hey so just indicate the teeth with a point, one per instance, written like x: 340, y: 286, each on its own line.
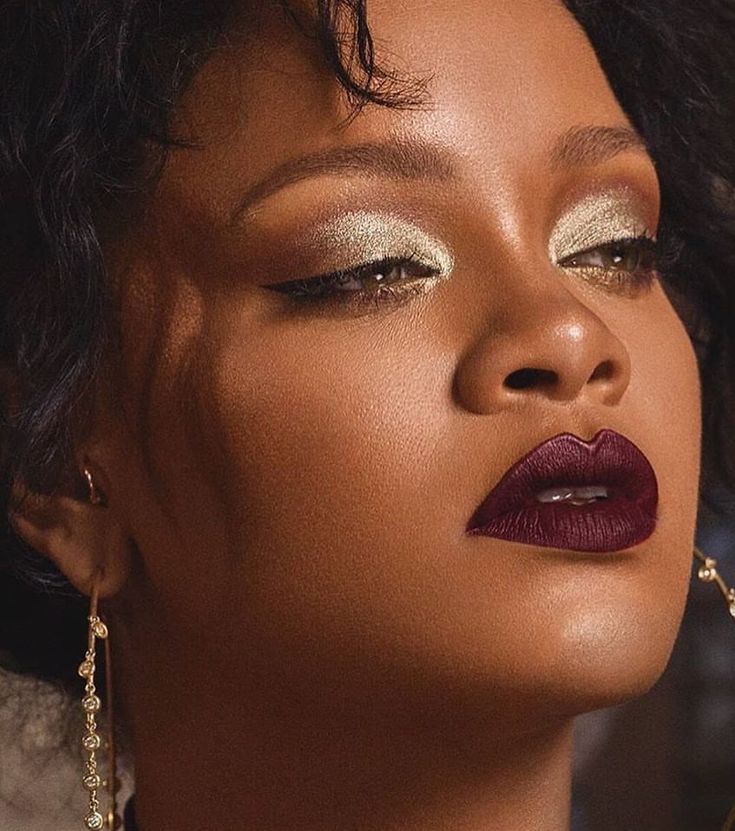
x: 581, y: 495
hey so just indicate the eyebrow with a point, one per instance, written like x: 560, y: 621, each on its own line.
x: 418, y: 160
x: 589, y: 145
x: 398, y: 159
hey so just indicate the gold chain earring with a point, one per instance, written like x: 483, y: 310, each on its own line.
x: 708, y: 573
x: 95, y: 820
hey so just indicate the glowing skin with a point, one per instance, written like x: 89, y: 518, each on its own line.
x: 307, y: 638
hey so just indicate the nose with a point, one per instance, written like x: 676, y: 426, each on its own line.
x: 550, y: 348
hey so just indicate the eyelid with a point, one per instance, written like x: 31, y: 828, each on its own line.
x: 596, y: 220
x: 369, y: 236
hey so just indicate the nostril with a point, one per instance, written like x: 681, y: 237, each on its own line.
x: 605, y: 369
x: 529, y: 377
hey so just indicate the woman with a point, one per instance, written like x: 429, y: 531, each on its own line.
x: 373, y: 420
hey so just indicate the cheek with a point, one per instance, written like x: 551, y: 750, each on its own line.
x: 333, y: 467
x: 665, y: 392
x: 327, y: 433
x: 346, y: 499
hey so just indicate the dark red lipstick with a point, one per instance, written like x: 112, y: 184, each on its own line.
x: 549, y: 497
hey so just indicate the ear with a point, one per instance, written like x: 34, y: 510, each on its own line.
x: 85, y: 540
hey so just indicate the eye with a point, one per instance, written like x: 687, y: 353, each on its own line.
x: 632, y: 260
x: 389, y: 280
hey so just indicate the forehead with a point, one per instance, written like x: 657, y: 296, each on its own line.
x: 505, y: 80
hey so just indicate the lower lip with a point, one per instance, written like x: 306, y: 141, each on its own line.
x: 606, y: 525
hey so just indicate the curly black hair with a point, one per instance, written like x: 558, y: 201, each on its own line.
x: 87, y: 90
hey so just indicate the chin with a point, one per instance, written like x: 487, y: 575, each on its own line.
x: 609, y: 662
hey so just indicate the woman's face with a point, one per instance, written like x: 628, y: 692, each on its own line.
x: 297, y: 474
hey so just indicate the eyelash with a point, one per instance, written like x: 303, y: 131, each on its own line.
x: 645, y: 248
x: 321, y: 291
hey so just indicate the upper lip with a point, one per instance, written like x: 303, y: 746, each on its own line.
x: 608, y: 459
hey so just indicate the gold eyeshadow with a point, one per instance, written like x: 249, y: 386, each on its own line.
x: 595, y: 220
x: 358, y: 237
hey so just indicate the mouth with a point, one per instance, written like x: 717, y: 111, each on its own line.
x: 599, y: 495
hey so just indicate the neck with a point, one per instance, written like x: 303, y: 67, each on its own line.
x: 282, y: 766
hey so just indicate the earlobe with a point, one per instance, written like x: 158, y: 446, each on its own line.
x: 81, y: 536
